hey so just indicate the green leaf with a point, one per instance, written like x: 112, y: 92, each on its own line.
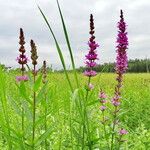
x: 22, y: 91
x: 43, y: 137
x: 37, y: 84
x: 41, y: 93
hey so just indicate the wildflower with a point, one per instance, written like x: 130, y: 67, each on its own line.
x: 102, y: 95
x: 122, y: 40
x: 22, y: 78
x: 123, y: 131
x: 22, y: 59
x: 116, y: 100
x: 102, y: 108
x: 92, y: 55
x: 90, y: 73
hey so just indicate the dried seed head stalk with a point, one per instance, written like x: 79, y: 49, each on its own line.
x: 34, y: 56
x: 44, y: 72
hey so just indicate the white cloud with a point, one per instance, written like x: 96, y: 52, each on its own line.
x: 25, y: 14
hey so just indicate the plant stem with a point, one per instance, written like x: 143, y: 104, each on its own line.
x: 86, y: 123
x: 119, y: 144
x: 45, y: 126
x: 113, y: 128
x: 34, y: 108
x: 105, y: 132
x: 22, y: 109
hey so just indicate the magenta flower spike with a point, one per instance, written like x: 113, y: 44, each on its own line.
x: 122, y: 41
x: 22, y: 59
x: 92, y: 54
x: 121, y: 59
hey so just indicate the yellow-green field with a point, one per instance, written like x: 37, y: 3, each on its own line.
x: 63, y: 114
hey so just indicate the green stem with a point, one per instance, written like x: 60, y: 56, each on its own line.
x: 45, y: 126
x: 34, y: 109
x: 22, y: 117
x: 113, y: 128
x: 22, y: 109
x: 119, y: 144
x: 86, y: 123
x: 105, y: 132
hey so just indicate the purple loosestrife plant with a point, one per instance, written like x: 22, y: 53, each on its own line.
x: 22, y: 59
x: 121, y: 67
x: 90, y: 62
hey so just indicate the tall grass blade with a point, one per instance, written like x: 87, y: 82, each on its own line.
x: 68, y: 44
x: 58, y: 49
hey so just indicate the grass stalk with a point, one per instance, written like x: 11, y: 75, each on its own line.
x: 58, y: 49
x: 68, y: 44
x: 45, y: 121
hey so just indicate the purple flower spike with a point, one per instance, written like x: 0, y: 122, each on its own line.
x: 123, y: 132
x: 122, y: 40
x: 92, y: 54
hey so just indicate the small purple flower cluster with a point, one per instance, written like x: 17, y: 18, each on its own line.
x: 115, y: 100
x: 92, y: 55
x: 123, y: 131
x: 122, y: 40
x: 22, y: 78
x: 22, y: 59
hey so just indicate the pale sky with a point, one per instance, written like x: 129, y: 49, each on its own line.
x: 25, y: 14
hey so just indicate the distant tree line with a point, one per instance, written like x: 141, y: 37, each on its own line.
x: 135, y: 66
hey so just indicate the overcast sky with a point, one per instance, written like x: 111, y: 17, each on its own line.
x: 24, y: 13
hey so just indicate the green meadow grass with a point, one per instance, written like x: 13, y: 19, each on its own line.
x: 63, y: 121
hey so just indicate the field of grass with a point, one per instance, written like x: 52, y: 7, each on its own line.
x: 63, y: 130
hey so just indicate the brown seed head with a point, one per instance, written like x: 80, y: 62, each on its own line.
x: 44, y: 71
x: 22, y: 41
x: 34, y: 56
